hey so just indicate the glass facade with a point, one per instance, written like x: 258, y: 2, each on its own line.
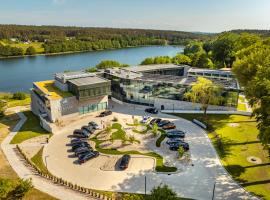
x: 144, y: 92
x: 93, y: 108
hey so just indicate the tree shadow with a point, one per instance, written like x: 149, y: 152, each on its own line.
x: 255, y: 183
x: 236, y: 171
x: 222, y: 145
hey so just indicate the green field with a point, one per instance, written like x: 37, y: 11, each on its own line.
x: 36, y: 45
x: 30, y: 129
x: 238, y: 135
x: 14, y: 102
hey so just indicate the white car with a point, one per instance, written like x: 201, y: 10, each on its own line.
x: 145, y: 119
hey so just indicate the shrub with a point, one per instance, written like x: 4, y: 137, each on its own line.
x: 19, y: 96
x: 181, y: 152
x: 22, y: 188
x: 6, y: 186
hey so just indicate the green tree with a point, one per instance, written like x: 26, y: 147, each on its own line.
x: 91, y: 69
x: 253, y: 72
x: 19, y: 96
x: 181, y: 59
x: 155, y: 129
x: 3, y: 107
x: 30, y: 51
x: 205, y: 92
x: 162, y: 192
x: 147, y: 61
x: 180, y: 151
x: 193, y: 47
x: 224, y: 49
x: 109, y: 64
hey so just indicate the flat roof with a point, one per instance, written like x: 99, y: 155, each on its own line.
x: 142, y: 68
x: 65, y: 76
x: 216, y: 71
x: 87, y: 80
x: 123, y: 73
x: 51, y: 92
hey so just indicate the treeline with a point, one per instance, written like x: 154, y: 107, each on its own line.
x: 41, y: 33
x: 57, y: 46
x: 57, y: 39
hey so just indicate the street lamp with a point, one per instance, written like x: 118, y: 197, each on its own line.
x: 213, y: 194
x: 144, y: 185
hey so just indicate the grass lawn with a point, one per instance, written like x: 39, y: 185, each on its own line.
x: 30, y: 129
x: 38, y: 161
x: 7, y: 123
x: 14, y: 102
x: 239, y: 139
x: 119, y: 134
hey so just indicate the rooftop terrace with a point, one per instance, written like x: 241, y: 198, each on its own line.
x: 50, y: 91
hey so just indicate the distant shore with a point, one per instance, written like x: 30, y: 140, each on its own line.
x: 74, y: 52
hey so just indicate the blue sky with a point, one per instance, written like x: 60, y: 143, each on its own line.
x: 186, y: 15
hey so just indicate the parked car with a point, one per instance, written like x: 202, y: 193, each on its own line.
x: 145, y: 119
x: 175, y: 131
x: 88, y: 156
x: 79, y: 145
x: 80, y: 133
x: 151, y: 110
x: 174, y: 140
x: 89, y: 129
x: 76, y: 140
x: 124, y: 162
x: 163, y: 122
x: 94, y: 125
x: 169, y: 126
x: 105, y: 113
x: 175, y: 146
x: 155, y: 120
x: 175, y: 134
x: 83, y: 152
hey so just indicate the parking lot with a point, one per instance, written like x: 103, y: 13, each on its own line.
x: 101, y: 173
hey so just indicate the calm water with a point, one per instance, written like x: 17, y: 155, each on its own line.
x: 17, y: 74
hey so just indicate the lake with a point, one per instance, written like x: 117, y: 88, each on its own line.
x: 17, y: 74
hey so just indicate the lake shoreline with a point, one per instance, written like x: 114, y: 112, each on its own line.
x: 75, y: 52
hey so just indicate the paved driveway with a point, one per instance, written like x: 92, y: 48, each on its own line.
x: 195, y: 181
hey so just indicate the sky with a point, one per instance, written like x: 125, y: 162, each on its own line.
x: 181, y: 15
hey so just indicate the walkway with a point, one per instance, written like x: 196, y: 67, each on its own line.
x: 219, y: 112
x: 24, y: 172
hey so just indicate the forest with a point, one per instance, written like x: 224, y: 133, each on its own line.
x: 57, y: 39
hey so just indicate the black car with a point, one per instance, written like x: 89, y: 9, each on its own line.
x: 89, y: 129
x: 88, y: 156
x: 81, y: 150
x: 76, y: 140
x: 80, y: 133
x: 175, y: 134
x: 175, y: 146
x: 124, y: 162
x: 174, y: 140
x: 155, y: 120
x: 163, y: 122
x: 105, y: 113
x: 80, y: 155
x: 79, y: 145
x: 94, y: 125
x: 151, y: 110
